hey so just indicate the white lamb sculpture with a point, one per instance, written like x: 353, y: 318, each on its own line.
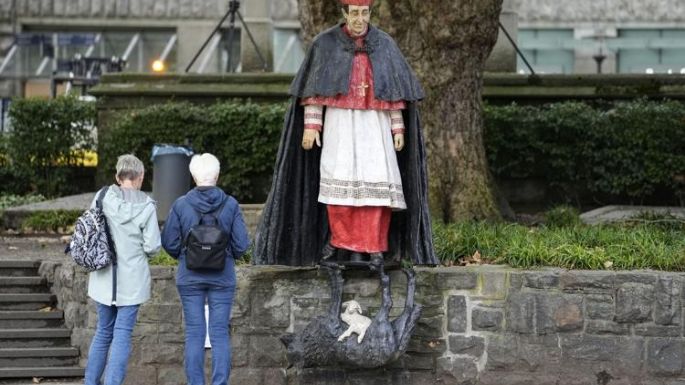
x: 352, y: 315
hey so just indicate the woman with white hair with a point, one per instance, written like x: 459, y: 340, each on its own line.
x: 132, y: 221
x: 213, y: 283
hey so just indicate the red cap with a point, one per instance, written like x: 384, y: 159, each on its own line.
x: 357, y: 2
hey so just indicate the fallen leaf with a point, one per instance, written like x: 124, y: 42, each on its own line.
x: 37, y: 380
x: 608, y: 264
x: 13, y: 248
x: 46, y: 309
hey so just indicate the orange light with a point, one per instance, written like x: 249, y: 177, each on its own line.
x: 158, y: 66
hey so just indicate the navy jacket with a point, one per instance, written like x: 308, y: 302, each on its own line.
x: 184, y: 214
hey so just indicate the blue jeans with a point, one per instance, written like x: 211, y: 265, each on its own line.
x: 114, y: 328
x: 220, y: 300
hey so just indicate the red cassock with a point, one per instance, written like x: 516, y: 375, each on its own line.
x: 358, y: 228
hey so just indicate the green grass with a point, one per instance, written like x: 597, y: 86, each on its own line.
x: 163, y: 259
x: 53, y: 220
x: 632, y: 245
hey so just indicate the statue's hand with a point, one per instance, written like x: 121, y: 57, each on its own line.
x: 399, y: 142
x: 310, y: 137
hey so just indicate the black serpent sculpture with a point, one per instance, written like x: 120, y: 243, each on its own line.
x: 317, y: 344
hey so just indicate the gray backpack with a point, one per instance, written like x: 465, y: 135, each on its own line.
x: 91, y: 245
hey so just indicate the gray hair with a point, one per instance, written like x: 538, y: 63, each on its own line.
x: 129, y: 167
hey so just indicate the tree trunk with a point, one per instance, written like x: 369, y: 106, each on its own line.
x: 446, y: 43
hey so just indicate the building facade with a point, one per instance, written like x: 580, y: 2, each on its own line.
x: 44, y: 39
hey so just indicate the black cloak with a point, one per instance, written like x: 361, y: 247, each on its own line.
x: 294, y: 225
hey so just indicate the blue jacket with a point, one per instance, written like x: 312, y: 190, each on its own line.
x: 184, y: 214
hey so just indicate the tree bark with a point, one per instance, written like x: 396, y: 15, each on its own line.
x: 446, y: 43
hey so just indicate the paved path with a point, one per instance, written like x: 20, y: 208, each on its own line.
x: 32, y: 248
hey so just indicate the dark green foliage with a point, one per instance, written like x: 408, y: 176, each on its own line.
x: 48, y: 140
x: 244, y: 136
x: 562, y: 216
x: 50, y: 220
x: 628, y: 150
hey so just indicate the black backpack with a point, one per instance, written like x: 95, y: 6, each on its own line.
x: 206, y: 243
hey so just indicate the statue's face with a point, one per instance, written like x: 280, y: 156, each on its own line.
x: 357, y: 18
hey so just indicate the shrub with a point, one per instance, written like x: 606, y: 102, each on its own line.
x: 51, y: 220
x: 562, y: 216
x: 47, y: 140
x: 244, y: 136
x: 626, y: 150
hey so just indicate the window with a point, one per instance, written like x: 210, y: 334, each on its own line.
x: 651, y: 50
x: 547, y: 50
x: 288, y: 51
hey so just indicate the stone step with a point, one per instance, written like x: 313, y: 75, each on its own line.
x: 23, y: 285
x: 28, y: 357
x: 41, y: 371
x: 19, y: 268
x: 35, y: 338
x: 31, y: 319
x: 26, y: 301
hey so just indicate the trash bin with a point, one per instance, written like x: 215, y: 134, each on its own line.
x: 171, y: 176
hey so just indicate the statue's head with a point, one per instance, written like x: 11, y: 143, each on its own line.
x: 357, y: 14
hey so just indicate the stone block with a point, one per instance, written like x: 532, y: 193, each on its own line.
x: 456, y: 279
x: 427, y: 345
x: 419, y: 362
x: 142, y: 375
x: 486, y: 319
x: 429, y: 327
x: 606, y: 327
x: 558, y: 313
x: 651, y: 330
x: 164, y: 291
x: 304, y: 310
x: 645, y: 278
x: 634, y: 303
x: 613, y: 352
x: 599, y: 306
x: 456, y: 370
x: 240, y: 347
x: 269, y: 310
x: 456, y: 314
x: 247, y: 376
x: 519, y: 312
x: 502, y: 351
x: 538, y: 353
x: 472, y: 345
x: 275, y: 376
x: 667, y: 305
x: 586, y: 281
x: 171, y: 333
x: 493, y: 285
x: 546, y: 279
x: 169, y: 354
x: 665, y: 356
x: 171, y: 375
x: 267, y: 351
x: 163, y: 273
x: 145, y: 333
x: 363, y: 287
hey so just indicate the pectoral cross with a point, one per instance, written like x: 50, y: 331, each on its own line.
x: 362, y: 89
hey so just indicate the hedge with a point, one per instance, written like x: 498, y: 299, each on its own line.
x: 620, y: 152
x: 627, y: 152
x: 244, y: 136
x: 46, y: 146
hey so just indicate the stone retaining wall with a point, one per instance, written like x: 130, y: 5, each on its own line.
x: 480, y: 325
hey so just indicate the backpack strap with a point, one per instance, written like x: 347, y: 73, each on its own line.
x: 98, y: 204
x: 101, y: 196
